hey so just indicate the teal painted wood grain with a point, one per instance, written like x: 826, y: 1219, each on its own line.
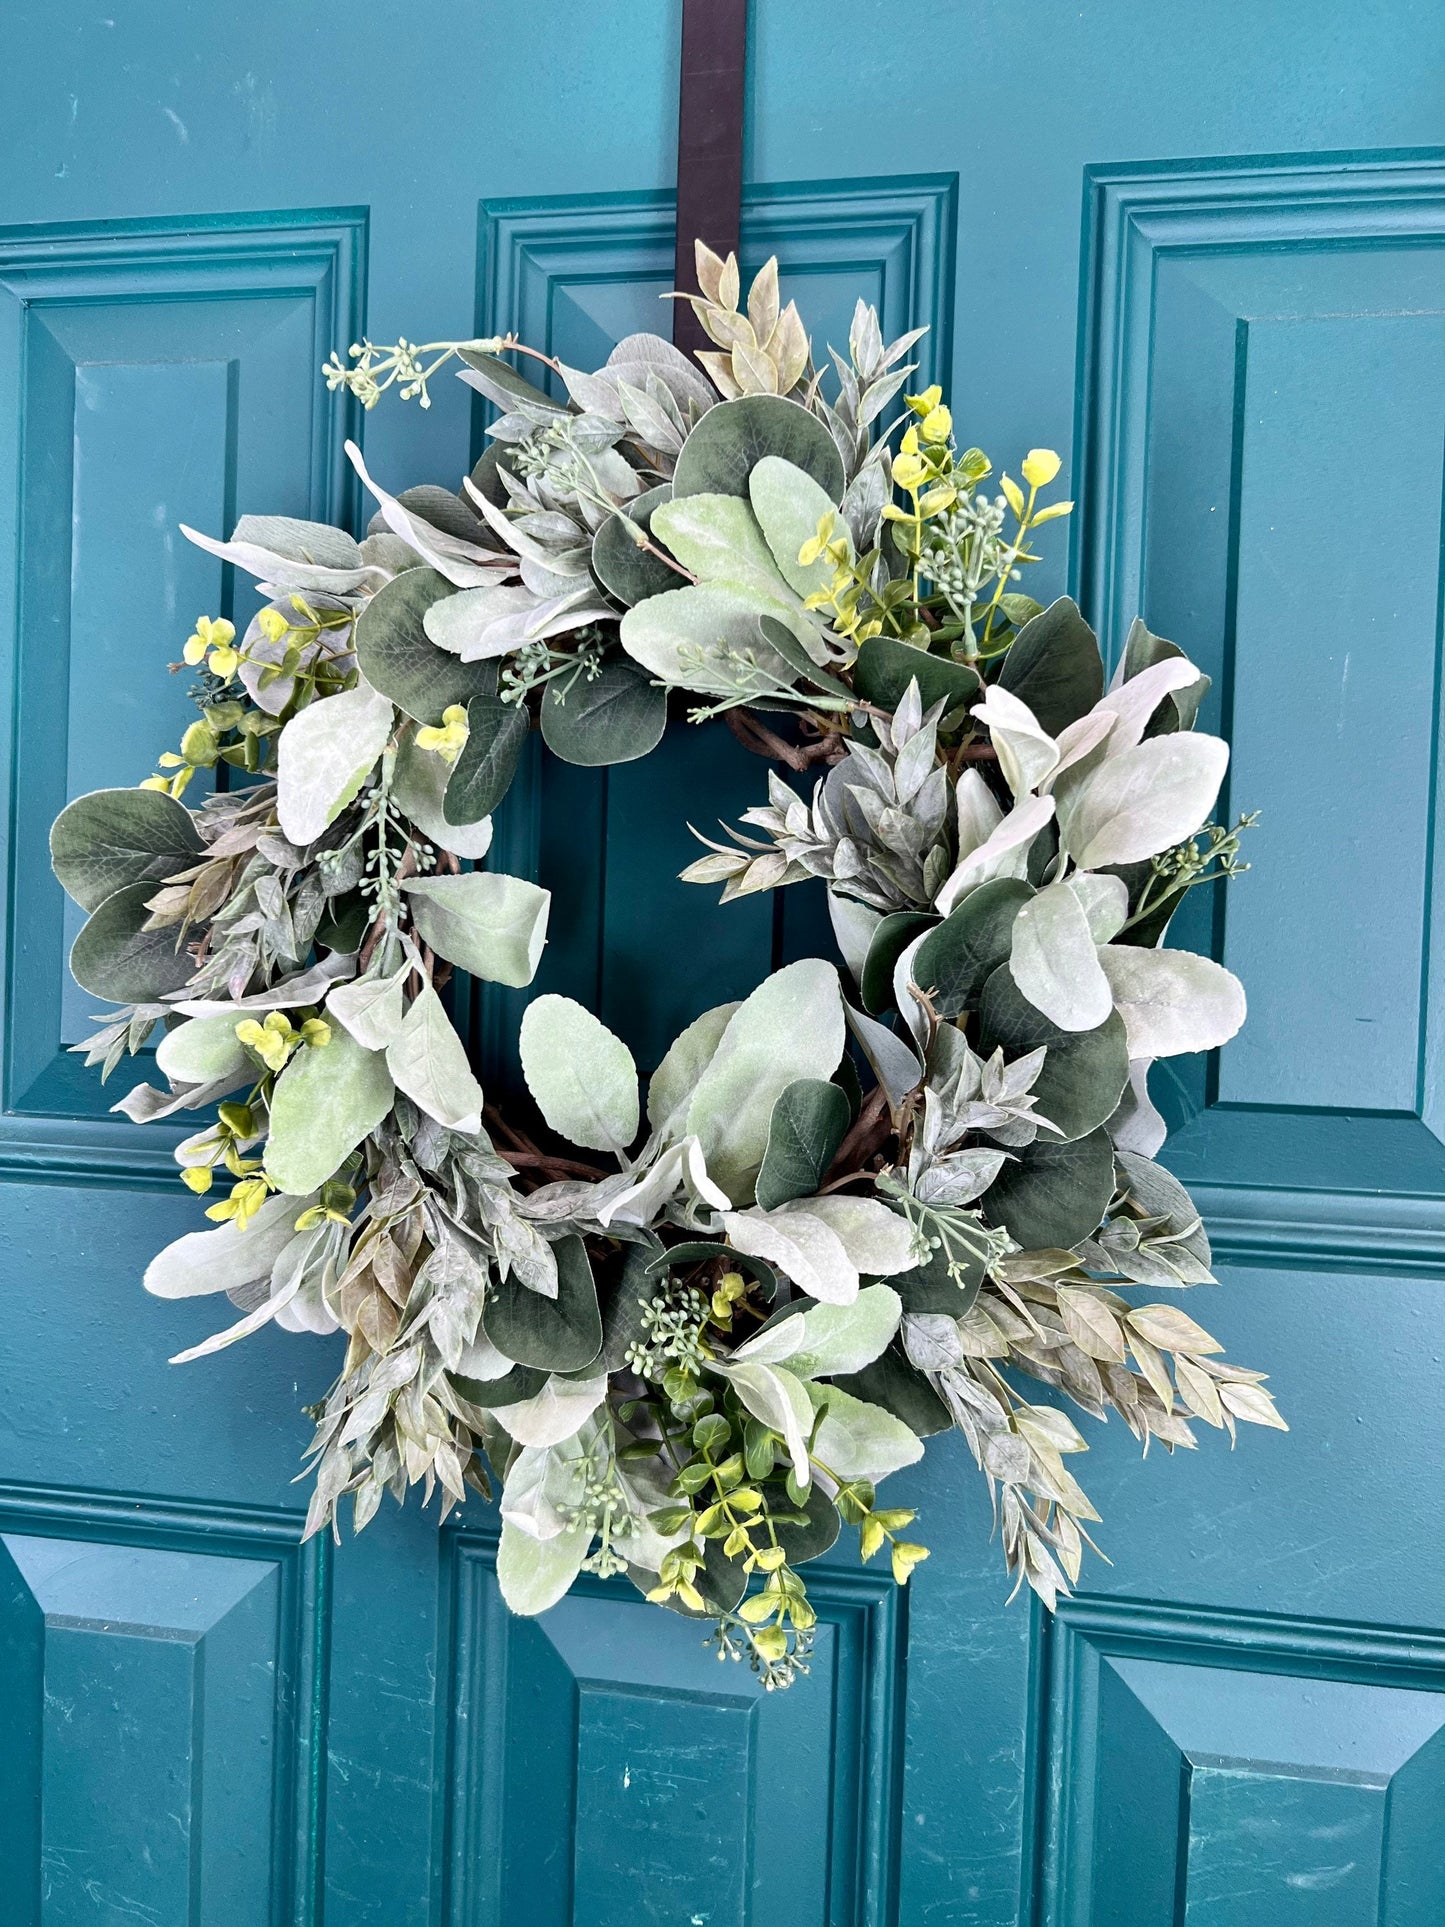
x: 1238, y: 1722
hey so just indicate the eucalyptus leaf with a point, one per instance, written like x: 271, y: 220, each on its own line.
x: 483, y: 772
x: 561, y: 1334
x: 955, y: 961
x: 615, y: 717
x: 115, y: 957
x: 625, y: 570
x: 728, y: 443
x: 489, y: 924
x: 322, y: 1106
x: 110, y: 839
x: 809, y: 1121
x: 885, y: 667
x: 512, y: 1388
x: 890, y: 1381
x: 1084, y: 1072
x: 1053, y: 1195
x: 1053, y: 664
x: 398, y: 658
x: 818, y: 1531
x: 583, y: 1076
x: 890, y: 939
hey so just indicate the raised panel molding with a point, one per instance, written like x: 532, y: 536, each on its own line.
x: 1262, y: 414
x: 572, y: 275
x: 151, y: 372
x: 1217, y: 1767
x: 162, y: 1700
x: 604, y: 1769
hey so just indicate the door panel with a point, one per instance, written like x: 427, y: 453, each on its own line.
x: 205, y: 1722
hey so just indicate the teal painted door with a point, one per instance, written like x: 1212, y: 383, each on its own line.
x: 1241, y: 1720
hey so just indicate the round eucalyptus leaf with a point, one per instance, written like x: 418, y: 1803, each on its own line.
x: 560, y: 1334
x: 398, y: 658
x: 721, y: 452
x: 523, y: 1381
x: 891, y: 938
x: 624, y: 570
x: 817, y: 1533
x: 447, y: 512
x: 885, y: 667
x: 1054, y: 1194
x: 615, y: 719
x: 109, y: 839
x: 957, y: 960
x: 344, y: 922
x: 1084, y: 1071
x: 1054, y: 665
x: 890, y: 1381
x: 682, y: 1257
x: 482, y: 774
x: 485, y: 479
x: 622, y: 1324
x: 810, y: 1120
x: 932, y: 1287
x: 116, y: 958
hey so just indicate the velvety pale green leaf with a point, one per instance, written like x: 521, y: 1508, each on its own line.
x: 115, y: 957
x: 556, y: 1412
x: 1054, y: 960
x: 1054, y: 1194
x: 225, y: 1259
x: 885, y: 667
x: 1170, y: 1000
x: 828, y: 1339
x: 300, y: 541
x: 371, y: 1008
x: 583, y: 1076
x: 200, y: 1051
x: 706, y: 638
x: 427, y: 1060
x: 956, y: 960
x: 561, y: 1334
x: 628, y: 572
x: 891, y: 937
x: 789, y: 505
x: 1105, y: 900
x: 859, y: 1441
x: 790, y: 1027
x: 1054, y: 665
x: 418, y: 787
x: 1147, y: 799
x: 399, y: 658
x: 325, y: 754
x: 875, y: 1238
x: 533, y: 1574
x: 483, y: 772
x: 890, y: 1381
x: 1084, y: 1072
x: 728, y: 443
x: 616, y: 718
x: 809, y: 1121
x: 773, y: 1395
x: 323, y: 1104
x: 802, y: 1247
x: 489, y: 924
x: 718, y: 539
x: 688, y: 1056
x: 109, y: 839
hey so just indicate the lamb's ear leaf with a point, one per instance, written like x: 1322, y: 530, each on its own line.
x: 115, y: 957
x: 561, y: 1334
x: 957, y: 959
x: 616, y: 718
x: 535, y: 1573
x: 1084, y: 1071
x: 727, y: 444
x: 628, y: 572
x: 885, y: 667
x: 582, y: 1075
x: 496, y: 736
x: 890, y: 939
x: 102, y: 842
x: 809, y: 1122
x: 485, y: 922
x: 324, y: 1103
x: 890, y: 1381
x: 1053, y: 664
x: 398, y: 657
x: 1053, y: 1195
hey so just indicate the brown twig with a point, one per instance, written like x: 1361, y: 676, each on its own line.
x: 549, y: 1166
x: 762, y: 741
x: 870, y: 1129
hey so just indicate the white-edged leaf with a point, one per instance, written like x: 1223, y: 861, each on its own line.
x: 1026, y: 751
x: 324, y: 755
x: 1171, y: 1000
x: 858, y: 1440
x: 1054, y: 960
x: 428, y: 1061
x: 534, y: 1574
x: 1147, y: 799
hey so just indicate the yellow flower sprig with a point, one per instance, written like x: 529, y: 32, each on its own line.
x: 450, y: 739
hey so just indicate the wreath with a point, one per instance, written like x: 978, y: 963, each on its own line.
x: 692, y: 1331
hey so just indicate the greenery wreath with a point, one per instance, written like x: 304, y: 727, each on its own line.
x: 860, y: 1209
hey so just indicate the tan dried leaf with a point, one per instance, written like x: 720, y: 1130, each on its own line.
x: 1171, y: 1329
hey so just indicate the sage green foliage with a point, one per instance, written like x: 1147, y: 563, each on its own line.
x: 681, y: 1363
